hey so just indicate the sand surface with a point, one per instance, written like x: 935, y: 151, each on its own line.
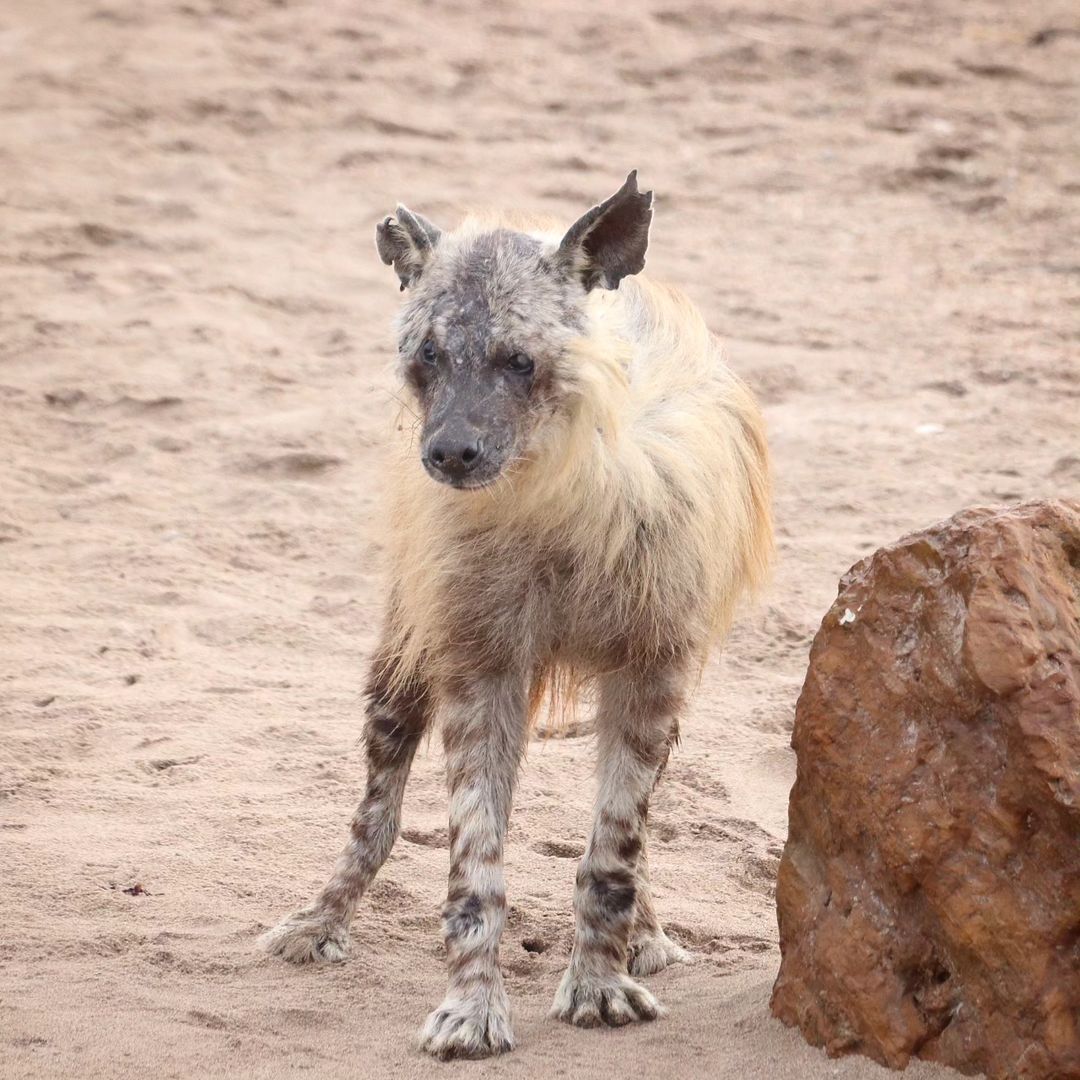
x: 878, y: 206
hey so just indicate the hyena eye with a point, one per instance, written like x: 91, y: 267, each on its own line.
x: 520, y: 364
x: 428, y: 352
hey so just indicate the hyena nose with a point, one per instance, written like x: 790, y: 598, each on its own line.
x: 455, y: 454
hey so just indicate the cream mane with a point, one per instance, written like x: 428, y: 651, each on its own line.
x: 657, y: 435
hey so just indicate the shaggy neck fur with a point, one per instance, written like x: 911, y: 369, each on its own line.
x: 650, y: 480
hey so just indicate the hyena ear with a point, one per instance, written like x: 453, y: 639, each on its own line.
x: 608, y: 243
x: 407, y: 243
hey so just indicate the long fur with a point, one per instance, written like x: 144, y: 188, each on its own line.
x: 653, y: 481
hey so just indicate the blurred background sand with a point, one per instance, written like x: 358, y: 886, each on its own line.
x: 877, y: 206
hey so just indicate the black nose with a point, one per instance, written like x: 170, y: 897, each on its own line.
x: 455, y: 454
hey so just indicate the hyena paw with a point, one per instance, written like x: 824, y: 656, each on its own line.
x: 592, y: 1000
x: 470, y: 1027
x: 651, y: 953
x: 308, y: 937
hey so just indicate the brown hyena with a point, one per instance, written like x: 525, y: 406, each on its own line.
x: 589, y: 498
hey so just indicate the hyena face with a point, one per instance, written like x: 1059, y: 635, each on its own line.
x: 484, y: 331
x: 480, y: 338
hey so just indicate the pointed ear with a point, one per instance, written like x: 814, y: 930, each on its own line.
x: 608, y: 243
x: 406, y: 243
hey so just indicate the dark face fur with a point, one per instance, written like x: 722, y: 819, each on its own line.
x: 479, y: 337
x: 488, y: 317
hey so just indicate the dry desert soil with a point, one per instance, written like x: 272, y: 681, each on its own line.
x: 876, y: 206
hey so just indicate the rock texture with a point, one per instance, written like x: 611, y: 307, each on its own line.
x: 929, y: 892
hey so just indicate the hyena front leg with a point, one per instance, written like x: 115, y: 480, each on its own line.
x: 484, y: 737
x: 397, y: 716
x: 635, y: 727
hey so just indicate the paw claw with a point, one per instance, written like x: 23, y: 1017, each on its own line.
x: 615, y: 1000
x: 469, y: 1028
x: 307, y: 937
x: 648, y: 955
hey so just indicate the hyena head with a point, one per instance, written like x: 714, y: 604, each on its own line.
x: 489, y: 315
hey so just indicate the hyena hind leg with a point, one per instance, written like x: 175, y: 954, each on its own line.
x: 650, y: 950
x: 397, y: 717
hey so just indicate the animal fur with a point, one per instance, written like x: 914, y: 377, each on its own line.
x: 624, y: 511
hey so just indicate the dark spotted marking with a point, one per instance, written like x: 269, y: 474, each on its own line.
x: 614, y: 893
x: 464, y: 918
x: 629, y: 848
x: 397, y: 716
x: 476, y: 850
x: 390, y: 741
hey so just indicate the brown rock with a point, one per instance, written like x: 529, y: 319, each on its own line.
x: 929, y: 892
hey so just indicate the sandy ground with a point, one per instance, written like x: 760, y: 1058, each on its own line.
x: 878, y: 206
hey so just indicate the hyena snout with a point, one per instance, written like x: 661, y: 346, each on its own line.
x: 456, y: 454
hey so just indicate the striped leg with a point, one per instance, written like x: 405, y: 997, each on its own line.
x: 635, y: 727
x: 484, y: 737
x: 396, y: 719
x: 650, y: 949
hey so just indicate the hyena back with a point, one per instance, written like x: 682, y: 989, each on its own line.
x: 600, y: 501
